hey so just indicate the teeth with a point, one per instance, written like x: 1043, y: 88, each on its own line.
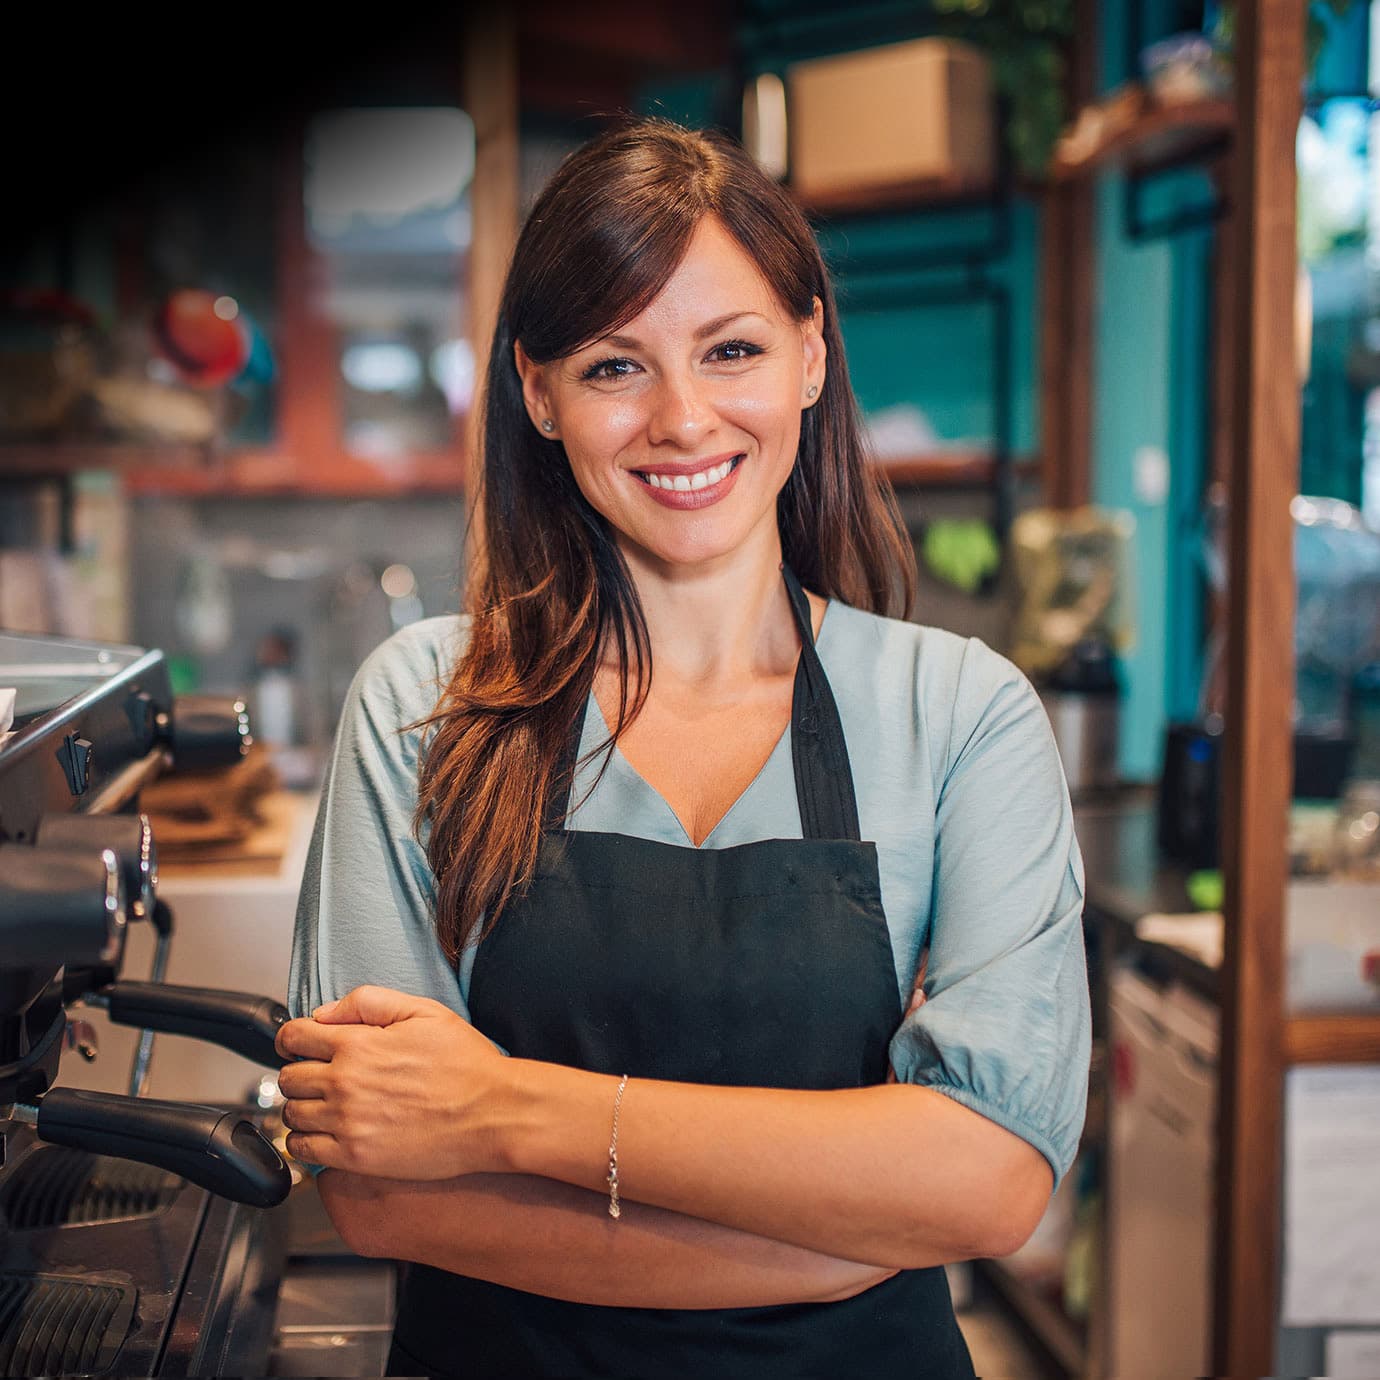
x: 685, y: 482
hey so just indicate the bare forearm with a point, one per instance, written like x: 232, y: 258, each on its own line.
x: 557, y: 1239
x: 892, y: 1176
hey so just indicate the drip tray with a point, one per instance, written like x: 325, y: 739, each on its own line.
x: 335, y: 1309
x: 113, y: 1268
x: 58, y: 1187
x: 63, y: 1324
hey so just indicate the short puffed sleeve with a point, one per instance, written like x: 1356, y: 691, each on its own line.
x: 1005, y: 1027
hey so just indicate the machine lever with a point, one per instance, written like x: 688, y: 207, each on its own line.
x: 238, y: 1021
x: 213, y: 1147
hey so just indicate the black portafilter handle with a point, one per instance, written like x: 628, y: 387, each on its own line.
x: 213, y: 1147
x: 208, y: 731
x: 238, y: 1021
x: 60, y: 906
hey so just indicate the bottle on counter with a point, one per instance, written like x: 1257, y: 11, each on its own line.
x: 275, y: 716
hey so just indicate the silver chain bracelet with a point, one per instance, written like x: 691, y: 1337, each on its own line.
x: 614, y: 1208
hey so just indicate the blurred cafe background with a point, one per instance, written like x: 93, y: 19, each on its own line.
x: 1111, y: 299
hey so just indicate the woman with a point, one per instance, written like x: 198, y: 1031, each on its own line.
x: 633, y: 1080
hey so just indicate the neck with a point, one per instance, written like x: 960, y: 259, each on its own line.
x: 721, y: 624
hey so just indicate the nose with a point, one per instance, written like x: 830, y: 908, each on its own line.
x: 681, y: 412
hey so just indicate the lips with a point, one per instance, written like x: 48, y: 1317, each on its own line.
x: 688, y: 467
x: 694, y: 485
x: 685, y: 481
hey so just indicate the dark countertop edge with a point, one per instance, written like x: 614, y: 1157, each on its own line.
x: 1126, y: 879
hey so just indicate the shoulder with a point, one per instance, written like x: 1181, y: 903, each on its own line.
x: 956, y: 697
x: 401, y: 680
x: 426, y: 647
x: 944, y: 671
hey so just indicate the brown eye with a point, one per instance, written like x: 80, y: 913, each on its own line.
x: 609, y: 369
x: 734, y: 351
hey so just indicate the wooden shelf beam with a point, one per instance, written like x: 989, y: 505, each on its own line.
x: 952, y: 470
x: 1158, y: 138
x: 52, y: 459
x: 196, y: 472
x: 1332, y: 1039
x: 893, y: 196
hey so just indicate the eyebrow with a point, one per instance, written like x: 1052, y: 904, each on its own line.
x: 628, y: 342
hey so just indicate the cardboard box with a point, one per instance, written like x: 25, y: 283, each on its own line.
x: 885, y: 122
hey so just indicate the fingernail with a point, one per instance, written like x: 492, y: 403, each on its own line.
x: 326, y: 1008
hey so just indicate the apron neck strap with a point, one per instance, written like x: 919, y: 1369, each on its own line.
x: 823, y: 774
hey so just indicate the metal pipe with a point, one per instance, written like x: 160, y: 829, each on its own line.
x: 128, y: 782
x: 143, y: 1056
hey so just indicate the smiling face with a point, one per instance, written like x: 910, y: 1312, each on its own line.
x: 682, y: 426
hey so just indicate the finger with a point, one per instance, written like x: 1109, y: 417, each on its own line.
x: 373, y: 1006
x: 316, y: 1148
x: 305, y: 1078
x: 308, y: 1114
x: 305, y: 1038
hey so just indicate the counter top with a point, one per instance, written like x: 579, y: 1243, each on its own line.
x: 275, y: 848
x: 1126, y: 875
x: 1330, y: 1015
x: 1128, y: 879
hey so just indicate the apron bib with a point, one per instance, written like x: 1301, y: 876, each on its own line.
x: 764, y: 965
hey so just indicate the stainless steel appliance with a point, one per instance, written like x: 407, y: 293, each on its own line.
x: 1159, y: 1210
x: 1082, y: 697
x: 136, y: 1237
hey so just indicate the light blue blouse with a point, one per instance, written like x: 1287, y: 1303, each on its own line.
x: 958, y: 782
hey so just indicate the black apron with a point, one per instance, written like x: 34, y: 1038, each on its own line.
x: 763, y: 965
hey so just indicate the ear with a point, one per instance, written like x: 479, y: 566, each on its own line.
x: 534, y: 392
x: 815, y: 355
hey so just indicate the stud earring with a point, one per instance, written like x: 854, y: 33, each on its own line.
x: 811, y: 391
x: 548, y: 426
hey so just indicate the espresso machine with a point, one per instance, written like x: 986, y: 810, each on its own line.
x: 137, y: 1237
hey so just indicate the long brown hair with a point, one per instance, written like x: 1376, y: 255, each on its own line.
x: 550, y: 587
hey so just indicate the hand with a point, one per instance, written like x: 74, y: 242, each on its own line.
x: 392, y: 1085
x: 917, y: 1000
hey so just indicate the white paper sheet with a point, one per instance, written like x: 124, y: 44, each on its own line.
x: 1352, y: 1355
x: 1331, y: 1195
x: 1198, y: 933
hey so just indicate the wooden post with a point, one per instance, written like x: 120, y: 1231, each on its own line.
x: 1222, y: 328
x: 1068, y: 252
x: 491, y: 100
x: 1054, y: 327
x: 1257, y: 761
x: 309, y: 412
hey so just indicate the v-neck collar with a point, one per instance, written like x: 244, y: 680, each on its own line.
x: 630, y: 773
